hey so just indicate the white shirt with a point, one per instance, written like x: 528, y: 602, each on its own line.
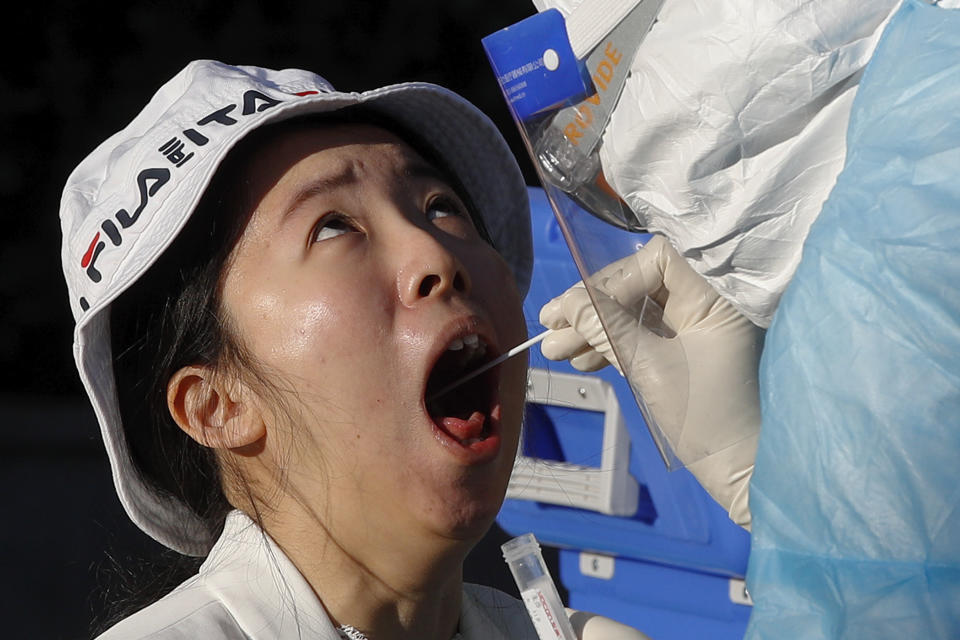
x: 248, y: 589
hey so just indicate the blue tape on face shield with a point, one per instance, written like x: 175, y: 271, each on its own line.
x: 562, y: 104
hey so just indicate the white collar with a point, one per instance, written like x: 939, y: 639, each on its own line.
x: 270, y: 599
x: 263, y: 590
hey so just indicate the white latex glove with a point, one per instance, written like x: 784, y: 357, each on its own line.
x: 589, y: 626
x: 700, y: 385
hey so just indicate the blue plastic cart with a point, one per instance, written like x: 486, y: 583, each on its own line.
x: 638, y: 543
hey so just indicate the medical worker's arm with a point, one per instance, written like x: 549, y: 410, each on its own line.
x: 700, y: 385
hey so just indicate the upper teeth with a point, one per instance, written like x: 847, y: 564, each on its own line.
x: 472, y: 340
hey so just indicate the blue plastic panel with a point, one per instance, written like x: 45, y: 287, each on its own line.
x: 664, y: 602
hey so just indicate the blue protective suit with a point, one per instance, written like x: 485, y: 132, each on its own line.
x: 856, y: 491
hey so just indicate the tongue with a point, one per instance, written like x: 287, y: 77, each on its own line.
x: 464, y: 430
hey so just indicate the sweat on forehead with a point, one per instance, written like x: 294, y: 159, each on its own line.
x: 349, y: 126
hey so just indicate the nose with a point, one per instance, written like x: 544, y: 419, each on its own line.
x: 428, y: 268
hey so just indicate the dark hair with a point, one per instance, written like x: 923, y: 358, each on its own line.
x: 171, y: 318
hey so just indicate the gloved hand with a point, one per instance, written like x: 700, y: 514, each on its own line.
x: 700, y: 385
x: 589, y: 626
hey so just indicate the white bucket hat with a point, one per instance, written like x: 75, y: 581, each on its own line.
x: 124, y: 204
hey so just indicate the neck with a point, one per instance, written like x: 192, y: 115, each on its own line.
x: 382, y: 582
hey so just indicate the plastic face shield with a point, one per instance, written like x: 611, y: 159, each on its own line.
x: 561, y: 105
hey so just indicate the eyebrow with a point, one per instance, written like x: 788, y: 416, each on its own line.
x: 415, y: 168
x: 422, y: 169
x: 320, y: 186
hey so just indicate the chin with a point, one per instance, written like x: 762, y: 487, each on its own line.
x: 470, y: 525
x: 465, y: 512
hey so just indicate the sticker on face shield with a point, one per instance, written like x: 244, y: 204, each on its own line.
x: 534, y: 64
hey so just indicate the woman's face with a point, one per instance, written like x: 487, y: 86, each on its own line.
x: 360, y: 285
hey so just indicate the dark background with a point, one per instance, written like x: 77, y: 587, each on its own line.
x: 73, y: 73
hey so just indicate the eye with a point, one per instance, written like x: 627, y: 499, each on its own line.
x: 445, y: 206
x: 331, y: 226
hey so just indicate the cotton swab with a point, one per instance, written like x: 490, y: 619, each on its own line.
x: 520, y: 348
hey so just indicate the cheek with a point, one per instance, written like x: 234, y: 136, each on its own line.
x: 285, y: 332
x: 299, y: 326
x: 491, y: 273
x: 506, y: 304
x: 278, y: 327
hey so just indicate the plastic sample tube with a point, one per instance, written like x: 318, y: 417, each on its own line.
x: 537, y: 590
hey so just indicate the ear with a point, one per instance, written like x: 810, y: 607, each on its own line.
x: 213, y: 413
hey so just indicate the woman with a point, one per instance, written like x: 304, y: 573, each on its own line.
x: 269, y: 279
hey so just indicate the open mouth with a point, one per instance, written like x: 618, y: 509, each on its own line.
x: 463, y: 412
